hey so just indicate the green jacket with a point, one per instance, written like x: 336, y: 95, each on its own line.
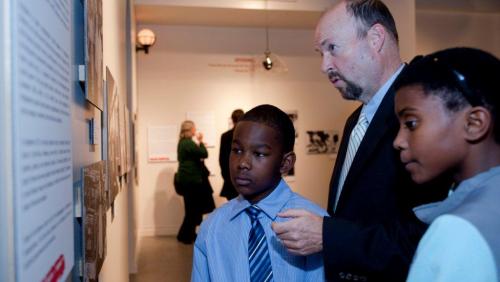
x: 190, y: 155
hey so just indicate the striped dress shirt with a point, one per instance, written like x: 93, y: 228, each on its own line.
x: 221, y: 248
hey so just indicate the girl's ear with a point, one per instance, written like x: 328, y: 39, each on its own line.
x: 478, y: 124
x: 287, y: 162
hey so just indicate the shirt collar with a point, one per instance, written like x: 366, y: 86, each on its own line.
x: 270, y: 205
x: 371, y: 107
x: 428, y: 212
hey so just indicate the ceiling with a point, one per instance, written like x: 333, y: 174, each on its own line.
x: 229, y: 17
x: 279, y: 13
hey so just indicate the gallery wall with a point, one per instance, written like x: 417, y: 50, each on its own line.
x: 116, y: 263
x: 45, y: 108
x: 196, y: 69
x: 176, y: 78
x: 205, y: 69
x: 443, y: 29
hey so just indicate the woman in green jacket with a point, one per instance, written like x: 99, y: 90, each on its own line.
x: 192, y: 177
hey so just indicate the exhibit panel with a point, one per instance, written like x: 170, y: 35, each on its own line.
x: 41, y: 139
x: 7, y: 270
x: 53, y: 177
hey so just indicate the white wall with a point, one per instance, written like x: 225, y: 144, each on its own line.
x: 403, y: 12
x: 132, y: 103
x: 115, y: 267
x: 438, y: 30
x: 178, y: 76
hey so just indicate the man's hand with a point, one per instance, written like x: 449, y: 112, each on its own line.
x: 302, y: 234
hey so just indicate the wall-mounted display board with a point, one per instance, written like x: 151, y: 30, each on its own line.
x: 162, y: 143
x: 93, y: 53
x: 113, y: 136
x: 205, y: 123
x: 94, y: 219
x: 41, y: 93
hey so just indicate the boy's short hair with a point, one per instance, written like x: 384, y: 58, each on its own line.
x: 275, y: 118
x: 460, y: 77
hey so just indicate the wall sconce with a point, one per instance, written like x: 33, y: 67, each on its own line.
x: 145, y: 39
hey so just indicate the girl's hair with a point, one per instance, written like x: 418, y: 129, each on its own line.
x: 460, y: 77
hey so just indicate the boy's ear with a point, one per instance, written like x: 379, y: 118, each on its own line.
x: 477, y: 124
x: 287, y: 162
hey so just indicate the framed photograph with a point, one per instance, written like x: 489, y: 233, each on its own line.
x: 93, y: 53
x: 322, y: 142
x: 94, y: 219
x: 113, y: 152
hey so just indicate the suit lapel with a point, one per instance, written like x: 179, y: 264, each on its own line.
x: 378, y: 128
x: 349, y: 126
x: 382, y: 121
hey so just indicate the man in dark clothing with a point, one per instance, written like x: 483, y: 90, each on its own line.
x: 372, y: 232
x: 228, y: 189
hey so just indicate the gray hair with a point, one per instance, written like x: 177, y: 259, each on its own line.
x: 369, y: 13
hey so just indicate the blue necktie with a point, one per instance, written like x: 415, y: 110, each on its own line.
x: 258, y: 255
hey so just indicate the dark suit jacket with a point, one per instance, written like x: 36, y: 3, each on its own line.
x: 228, y: 189
x: 373, y: 233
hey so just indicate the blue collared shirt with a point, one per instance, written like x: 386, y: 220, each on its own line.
x: 221, y: 248
x: 371, y: 107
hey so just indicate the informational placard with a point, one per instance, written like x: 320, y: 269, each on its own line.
x: 162, y: 143
x: 42, y: 156
x: 205, y: 123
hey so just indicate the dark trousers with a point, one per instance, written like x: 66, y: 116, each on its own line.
x: 192, y: 218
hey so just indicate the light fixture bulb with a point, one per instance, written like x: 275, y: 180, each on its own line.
x: 146, y: 37
x: 267, y: 63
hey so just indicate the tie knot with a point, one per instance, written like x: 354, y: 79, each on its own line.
x: 253, y: 212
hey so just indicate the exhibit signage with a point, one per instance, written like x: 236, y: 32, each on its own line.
x: 42, y: 145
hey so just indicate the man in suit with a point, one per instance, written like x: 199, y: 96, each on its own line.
x: 226, y: 139
x: 371, y: 233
